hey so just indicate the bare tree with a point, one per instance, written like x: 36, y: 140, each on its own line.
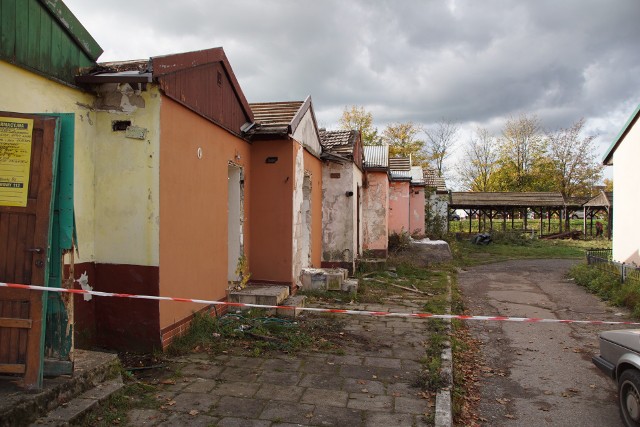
x: 440, y: 140
x: 479, y: 161
x: 573, y: 158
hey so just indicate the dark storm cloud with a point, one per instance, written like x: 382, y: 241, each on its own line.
x: 470, y: 61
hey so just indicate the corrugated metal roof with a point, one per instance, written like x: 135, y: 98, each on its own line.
x: 417, y: 175
x: 432, y: 180
x: 400, y: 163
x: 338, y: 141
x: 376, y: 156
x: 505, y: 199
x: 274, y: 117
x: 397, y: 175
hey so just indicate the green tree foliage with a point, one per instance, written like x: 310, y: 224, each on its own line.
x: 403, y: 141
x: 521, y: 157
x: 524, y: 158
x: 608, y: 184
x: 356, y: 117
x: 574, y: 167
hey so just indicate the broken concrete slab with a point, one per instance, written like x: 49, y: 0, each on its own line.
x: 325, y: 279
x: 263, y: 295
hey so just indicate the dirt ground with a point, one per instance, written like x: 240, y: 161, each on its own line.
x: 539, y: 374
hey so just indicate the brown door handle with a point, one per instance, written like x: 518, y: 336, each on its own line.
x: 36, y: 250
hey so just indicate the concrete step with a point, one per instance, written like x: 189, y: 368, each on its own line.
x: 74, y: 411
x: 263, y: 295
x: 91, y: 368
x: 297, y: 301
x: 325, y: 279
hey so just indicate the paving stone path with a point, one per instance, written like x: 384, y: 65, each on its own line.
x: 366, y: 384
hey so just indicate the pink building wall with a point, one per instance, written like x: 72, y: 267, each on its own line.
x: 375, y: 214
x: 416, y: 206
x: 399, y: 207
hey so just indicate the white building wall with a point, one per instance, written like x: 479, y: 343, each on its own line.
x: 626, y: 198
x: 306, y: 134
x: 338, y: 214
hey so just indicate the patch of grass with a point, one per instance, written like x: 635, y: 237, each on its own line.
x: 604, y: 281
x: 467, y: 254
x: 253, y: 334
x: 430, y: 377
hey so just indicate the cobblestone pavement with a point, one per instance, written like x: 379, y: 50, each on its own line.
x: 367, y: 384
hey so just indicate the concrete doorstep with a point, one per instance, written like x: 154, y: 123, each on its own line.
x: 94, y: 373
x: 75, y: 410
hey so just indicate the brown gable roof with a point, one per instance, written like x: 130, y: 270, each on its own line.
x: 432, y: 180
x: 202, y: 81
x: 275, y: 118
x: 338, y: 141
x: 400, y: 164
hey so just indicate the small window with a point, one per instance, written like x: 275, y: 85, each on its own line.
x: 120, y: 125
x: 219, y: 78
x: 335, y: 175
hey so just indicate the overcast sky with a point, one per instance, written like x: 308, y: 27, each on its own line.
x: 473, y: 62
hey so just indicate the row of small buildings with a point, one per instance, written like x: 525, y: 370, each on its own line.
x: 158, y: 177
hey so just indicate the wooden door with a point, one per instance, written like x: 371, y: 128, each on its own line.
x: 24, y: 239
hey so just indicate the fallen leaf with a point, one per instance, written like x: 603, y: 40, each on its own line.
x: 194, y: 412
x: 511, y: 417
x: 362, y: 382
x: 309, y: 415
x: 171, y: 402
x: 170, y: 382
x: 502, y: 401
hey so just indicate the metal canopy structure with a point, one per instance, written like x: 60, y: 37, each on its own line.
x: 503, y: 205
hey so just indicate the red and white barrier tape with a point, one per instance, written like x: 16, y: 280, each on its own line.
x: 319, y: 310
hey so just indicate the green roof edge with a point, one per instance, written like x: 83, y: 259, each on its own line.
x: 75, y: 29
x: 608, y: 156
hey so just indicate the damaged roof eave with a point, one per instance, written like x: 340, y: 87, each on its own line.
x: 115, y: 78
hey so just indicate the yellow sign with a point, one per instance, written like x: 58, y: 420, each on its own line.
x: 15, y: 160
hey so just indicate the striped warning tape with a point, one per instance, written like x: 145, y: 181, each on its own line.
x: 317, y: 309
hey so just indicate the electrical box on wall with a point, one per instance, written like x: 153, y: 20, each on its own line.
x: 136, y: 132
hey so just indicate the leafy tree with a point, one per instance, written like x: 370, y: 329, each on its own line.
x: 357, y: 118
x: 575, y: 169
x: 608, y: 184
x: 440, y: 140
x: 479, y: 161
x: 522, y: 162
x: 403, y: 141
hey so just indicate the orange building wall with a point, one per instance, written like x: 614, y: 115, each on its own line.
x: 314, y: 165
x: 271, y: 207
x: 193, y: 208
x: 398, y: 207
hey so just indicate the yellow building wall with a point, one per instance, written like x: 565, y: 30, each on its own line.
x: 127, y: 181
x: 22, y: 91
